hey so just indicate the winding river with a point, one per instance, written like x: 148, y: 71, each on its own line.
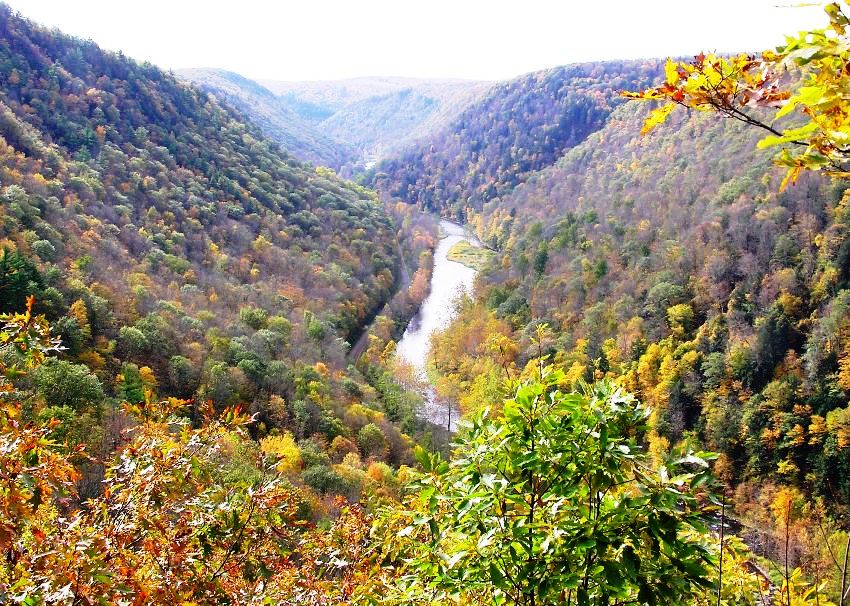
x: 448, y: 280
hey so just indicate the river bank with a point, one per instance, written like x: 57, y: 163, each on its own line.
x: 449, y: 279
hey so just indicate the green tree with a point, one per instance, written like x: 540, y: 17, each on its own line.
x: 62, y: 383
x: 316, y: 330
x: 541, y: 257
x: 323, y: 479
x: 254, y: 317
x: 44, y: 249
x: 131, y: 388
x: 554, y: 502
x: 372, y: 441
x: 182, y: 376
x: 133, y: 341
x: 19, y: 278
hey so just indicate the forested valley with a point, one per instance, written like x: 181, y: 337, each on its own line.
x: 206, y: 282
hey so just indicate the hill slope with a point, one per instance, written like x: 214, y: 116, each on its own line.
x: 517, y: 128
x: 156, y: 229
x: 274, y: 116
x: 673, y: 262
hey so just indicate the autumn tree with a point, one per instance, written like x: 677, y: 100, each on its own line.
x: 174, y: 523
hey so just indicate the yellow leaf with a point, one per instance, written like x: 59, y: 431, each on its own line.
x: 790, y: 177
x: 658, y: 116
x: 671, y: 71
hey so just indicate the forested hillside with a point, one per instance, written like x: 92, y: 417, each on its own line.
x: 519, y: 127
x: 378, y: 116
x: 278, y: 121
x: 673, y: 262
x: 176, y: 249
x: 203, y: 395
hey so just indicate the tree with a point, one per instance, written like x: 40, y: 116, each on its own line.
x: 283, y: 447
x: 19, y: 278
x: 31, y: 472
x: 372, y: 441
x: 171, y: 526
x: 80, y: 314
x: 130, y: 385
x: 554, y: 502
x: 735, y: 87
x: 254, y: 317
x: 62, y: 383
x: 182, y: 376
x: 133, y: 341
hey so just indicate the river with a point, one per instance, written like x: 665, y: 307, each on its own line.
x: 448, y: 280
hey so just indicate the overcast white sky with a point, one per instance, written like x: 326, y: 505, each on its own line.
x: 482, y: 39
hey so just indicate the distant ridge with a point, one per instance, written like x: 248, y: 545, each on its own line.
x: 277, y: 119
x: 346, y: 124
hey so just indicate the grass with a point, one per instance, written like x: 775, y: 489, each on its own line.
x: 469, y: 255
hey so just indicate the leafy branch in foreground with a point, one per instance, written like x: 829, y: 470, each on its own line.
x: 554, y: 502
x: 806, y: 79
x: 171, y: 526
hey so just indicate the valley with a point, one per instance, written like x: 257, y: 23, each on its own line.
x: 348, y: 125
x: 579, y: 336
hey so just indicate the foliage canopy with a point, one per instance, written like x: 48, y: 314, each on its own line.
x: 554, y: 502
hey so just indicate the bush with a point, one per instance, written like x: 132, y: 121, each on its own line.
x: 60, y: 383
x: 601, y: 520
x: 324, y: 479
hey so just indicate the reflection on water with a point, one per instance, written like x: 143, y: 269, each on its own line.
x: 449, y: 279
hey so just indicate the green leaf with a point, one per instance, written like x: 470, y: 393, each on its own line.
x: 583, y: 599
x: 423, y: 458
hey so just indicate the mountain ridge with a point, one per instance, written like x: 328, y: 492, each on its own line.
x: 274, y: 117
x: 367, y: 118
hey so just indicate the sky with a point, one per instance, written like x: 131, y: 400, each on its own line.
x: 475, y: 39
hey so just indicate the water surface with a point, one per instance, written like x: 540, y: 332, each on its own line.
x: 437, y: 311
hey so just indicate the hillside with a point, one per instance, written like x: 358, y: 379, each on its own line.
x: 175, y: 248
x: 517, y: 128
x: 673, y: 262
x: 378, y: 116
x: 383, y: 124
x: 276, y: 119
